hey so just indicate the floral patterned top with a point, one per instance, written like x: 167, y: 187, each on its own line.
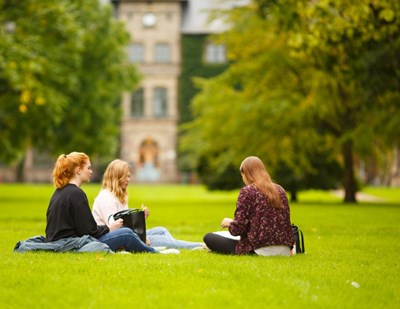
x: 259, y: 224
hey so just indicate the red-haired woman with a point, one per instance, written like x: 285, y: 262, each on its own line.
x: 69, y: 214
x: 262, y: 217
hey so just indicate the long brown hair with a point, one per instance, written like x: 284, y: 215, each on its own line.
x: 64, y: 168
x: 115, y: 173
x: 256, y: 174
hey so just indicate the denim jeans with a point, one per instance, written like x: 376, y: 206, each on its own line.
x: 125, y: 239
x: 161, y: 237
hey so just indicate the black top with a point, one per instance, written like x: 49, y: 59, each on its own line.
x: 69, y: 215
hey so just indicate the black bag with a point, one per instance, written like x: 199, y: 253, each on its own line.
x: 134, y: 219
x: 299, y: 239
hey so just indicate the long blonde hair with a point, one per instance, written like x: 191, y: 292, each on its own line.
x: 115, y: 173
x: 64, y: 168
x: 256, y: 174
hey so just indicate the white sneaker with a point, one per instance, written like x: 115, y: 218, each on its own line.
x: 170, y: 251
x: 160, y: 248
x: 123, y: 252
x: 200, y: 248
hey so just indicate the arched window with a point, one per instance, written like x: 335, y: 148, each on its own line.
x: 148, y: 167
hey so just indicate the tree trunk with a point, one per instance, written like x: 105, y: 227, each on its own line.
x: 293, y: 196
x: 20, y: 170
x: 350, y: 184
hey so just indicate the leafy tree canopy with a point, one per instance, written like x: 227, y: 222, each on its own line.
x: 62, y: 69
x: 308, y: 77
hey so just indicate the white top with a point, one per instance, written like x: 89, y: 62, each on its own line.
x: 273, y: 250
x: 106, y: 204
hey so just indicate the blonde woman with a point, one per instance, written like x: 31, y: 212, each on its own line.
x: 262, y: 217
x: 113, y: 197
x: 69, y: 215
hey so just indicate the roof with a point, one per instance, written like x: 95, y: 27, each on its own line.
x: 196, y: 13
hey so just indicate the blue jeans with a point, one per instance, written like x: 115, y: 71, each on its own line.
x: 125, y: 239
x: 161, y: 237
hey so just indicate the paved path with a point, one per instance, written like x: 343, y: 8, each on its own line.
x: 361, y: 196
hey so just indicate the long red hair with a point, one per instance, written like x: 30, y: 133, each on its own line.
x: 64, y: 168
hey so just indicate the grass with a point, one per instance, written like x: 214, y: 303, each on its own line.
x: 351, y: 261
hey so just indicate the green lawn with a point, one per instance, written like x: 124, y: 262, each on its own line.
x: 351, y: 261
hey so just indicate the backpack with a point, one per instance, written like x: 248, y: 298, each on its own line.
x: 299, y: 240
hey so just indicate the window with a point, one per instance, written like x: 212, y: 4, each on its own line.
x: 160, y: 102
x: 136, y: 52
x: 137, y: 103
x: 162, y: 53
x: 215, y: 53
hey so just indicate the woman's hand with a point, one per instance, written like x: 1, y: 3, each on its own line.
x: 226, y: 222
x: 148, y: 242
x: 146, y: 211
x: 115, y: 224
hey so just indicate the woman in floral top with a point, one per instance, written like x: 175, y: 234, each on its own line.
x: 262, y: 217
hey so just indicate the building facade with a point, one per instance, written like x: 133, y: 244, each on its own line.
x: 152, y: 112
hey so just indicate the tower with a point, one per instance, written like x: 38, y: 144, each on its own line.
x: 150, y: 113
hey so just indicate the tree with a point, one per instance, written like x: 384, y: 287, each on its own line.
x: 325, y: 174
x: 252, y: 108
x: 301, y: 82
x: 63, y: 69
x: 340, y: 40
